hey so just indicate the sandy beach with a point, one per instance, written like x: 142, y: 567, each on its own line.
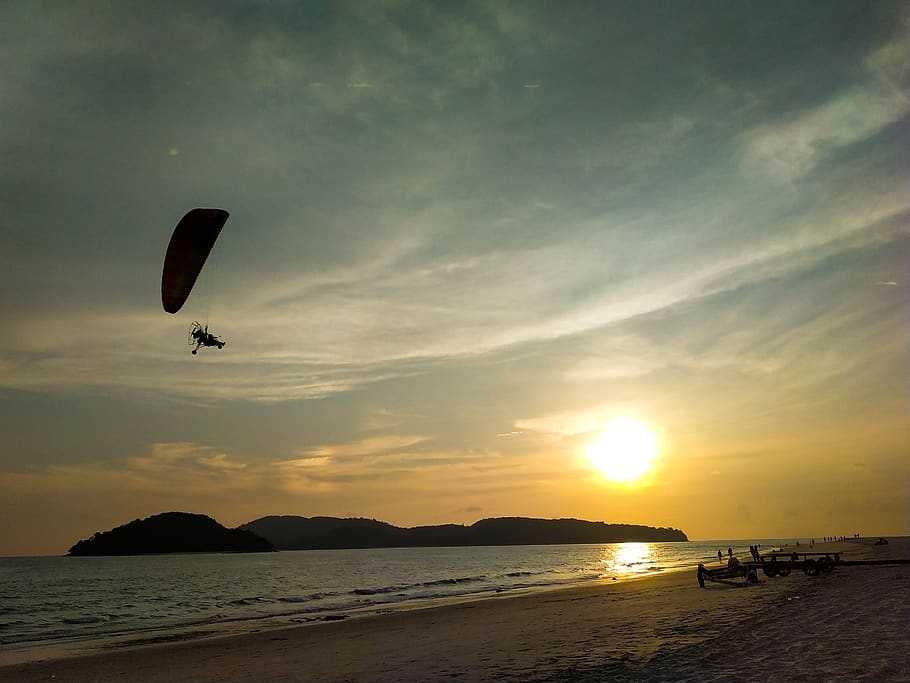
x: 848, y: 625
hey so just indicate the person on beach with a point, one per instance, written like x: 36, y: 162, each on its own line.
x: 729, y: 552
x: 720, y: 556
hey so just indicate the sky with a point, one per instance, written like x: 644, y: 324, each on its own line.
x: 463, y: 238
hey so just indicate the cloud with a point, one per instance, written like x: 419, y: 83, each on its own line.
x: 392, y: 323
x: 570, y: 423
x: 72, y: 501
x: 371, y: 446
x: 386, y: 419
x: 791, y: 149
x: 193, y: 471
x: 447, y: 212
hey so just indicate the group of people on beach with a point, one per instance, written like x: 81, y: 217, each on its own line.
x: 732, y: 561
x: 756, y: 556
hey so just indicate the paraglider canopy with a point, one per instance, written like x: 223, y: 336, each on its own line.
x: 190, y: 245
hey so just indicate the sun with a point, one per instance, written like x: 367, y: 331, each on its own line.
x: 624, y: 451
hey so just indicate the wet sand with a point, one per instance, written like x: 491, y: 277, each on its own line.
x: 850, y: 625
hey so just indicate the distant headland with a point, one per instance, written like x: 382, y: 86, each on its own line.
x: 313, y: 533
x: 181, y: 532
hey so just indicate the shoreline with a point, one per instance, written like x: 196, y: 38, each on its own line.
x: 651, y: 627
x: 187, y: 633
x: 660, y: 627
x: 355, y: 627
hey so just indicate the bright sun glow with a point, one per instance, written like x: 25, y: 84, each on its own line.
x: 624, y: 451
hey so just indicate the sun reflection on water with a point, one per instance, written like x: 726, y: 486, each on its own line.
x: 630, y: 558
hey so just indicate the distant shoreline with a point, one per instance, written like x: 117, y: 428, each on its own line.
x: 382, y: 547
x: 718, y: 541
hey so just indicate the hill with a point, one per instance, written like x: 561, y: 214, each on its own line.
x: 171, y: 532
x: 304, y: 533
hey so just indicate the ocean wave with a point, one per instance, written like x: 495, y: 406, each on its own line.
x: 451, y: 582
x: 553, y: 582
x: 305, y: 598
x: 84, y: 620
x: 325, y: 617
x: 401, y: 588
x: 256, y: 600
x: 379, y: 591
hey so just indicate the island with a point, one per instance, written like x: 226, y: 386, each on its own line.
x: 171, y: 532
x: 320, y: 533
x: 183, y: 532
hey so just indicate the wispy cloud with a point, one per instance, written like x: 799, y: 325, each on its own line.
x: 791, y: 149
x: 371, y: 446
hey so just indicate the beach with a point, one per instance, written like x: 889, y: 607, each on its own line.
x: 850, y: 624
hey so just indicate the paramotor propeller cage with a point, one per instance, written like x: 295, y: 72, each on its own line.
x: 195, y: 328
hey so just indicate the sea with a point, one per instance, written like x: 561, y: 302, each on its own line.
x: 73, y: 605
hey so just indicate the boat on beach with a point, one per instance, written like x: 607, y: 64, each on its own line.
x: 771, y: 564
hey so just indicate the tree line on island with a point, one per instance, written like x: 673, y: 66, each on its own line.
x: 182, y: 532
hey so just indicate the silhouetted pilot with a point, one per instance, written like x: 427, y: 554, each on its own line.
x: 202, y: 338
